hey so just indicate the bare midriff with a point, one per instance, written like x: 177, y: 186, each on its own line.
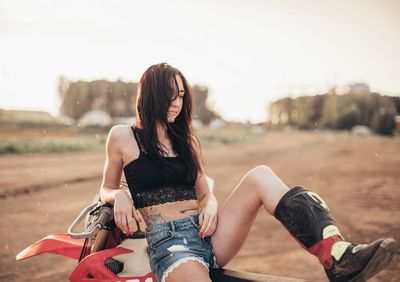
x: 169, y: 211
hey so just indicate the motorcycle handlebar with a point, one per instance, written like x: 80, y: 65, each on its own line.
x: 105, y: 214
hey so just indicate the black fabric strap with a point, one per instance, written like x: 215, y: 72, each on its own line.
x: 136, y: 138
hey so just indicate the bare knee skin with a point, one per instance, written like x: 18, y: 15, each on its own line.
x: 270, y: 187
x: 189, y: 271
x: 260, y: 186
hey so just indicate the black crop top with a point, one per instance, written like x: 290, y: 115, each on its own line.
x: 150, y: 185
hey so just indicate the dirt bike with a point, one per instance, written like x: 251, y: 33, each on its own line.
x: 104, y: 253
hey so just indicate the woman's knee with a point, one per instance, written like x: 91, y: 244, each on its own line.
x: 261, y: 174
x: 264, y: 178
x: 269, y: 186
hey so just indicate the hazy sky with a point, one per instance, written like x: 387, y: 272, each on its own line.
x: 247, y: 52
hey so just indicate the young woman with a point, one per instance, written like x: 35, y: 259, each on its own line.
x: 186, y: 233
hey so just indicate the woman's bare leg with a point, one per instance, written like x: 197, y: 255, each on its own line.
x: 307, y: 218
x: 189, y: 271
x: 260, y: 186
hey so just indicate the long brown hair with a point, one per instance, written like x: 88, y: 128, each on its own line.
x: 157, y: 88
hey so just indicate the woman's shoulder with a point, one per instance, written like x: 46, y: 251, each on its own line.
x: 121, y: 138
x: 120, y: 130
x: 119, y: 133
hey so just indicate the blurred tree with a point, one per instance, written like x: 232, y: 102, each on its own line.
x: 116, y: 98
x: 383, y: 123
x: 308, y: 111
x: 201, y: 109
x: 396, y: 102
x: 348, y: 117
x: 77, y: 100
x: 357, y: 106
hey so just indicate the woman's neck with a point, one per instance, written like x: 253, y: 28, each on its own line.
x: 161, y: 132
x: 164, y: 140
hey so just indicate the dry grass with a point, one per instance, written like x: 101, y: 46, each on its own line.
x: 56, y: 140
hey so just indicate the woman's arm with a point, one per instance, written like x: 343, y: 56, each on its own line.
x: 209, y: 207
x: 110, y: 191
x: 207, y: 201
x: 112, y: 168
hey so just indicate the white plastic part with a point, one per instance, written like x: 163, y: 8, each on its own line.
x: 136, y: 263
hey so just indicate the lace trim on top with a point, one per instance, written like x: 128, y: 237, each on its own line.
x: 163, y: 195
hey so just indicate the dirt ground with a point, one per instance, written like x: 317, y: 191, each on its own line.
x: 357, y: 176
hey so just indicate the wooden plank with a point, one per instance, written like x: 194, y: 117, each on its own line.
x: 227, y: 275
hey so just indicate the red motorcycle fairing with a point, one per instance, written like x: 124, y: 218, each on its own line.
x: 60, y: 244
x: 92, y: 269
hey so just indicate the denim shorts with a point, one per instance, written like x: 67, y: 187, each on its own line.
x: 175, y: 242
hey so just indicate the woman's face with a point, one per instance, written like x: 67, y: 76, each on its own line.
x: 176, y: 104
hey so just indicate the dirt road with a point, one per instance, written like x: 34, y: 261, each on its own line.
x: 358, y: 177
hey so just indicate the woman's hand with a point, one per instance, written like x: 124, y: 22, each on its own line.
x: 208, y: 216
x: 125, y: 212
